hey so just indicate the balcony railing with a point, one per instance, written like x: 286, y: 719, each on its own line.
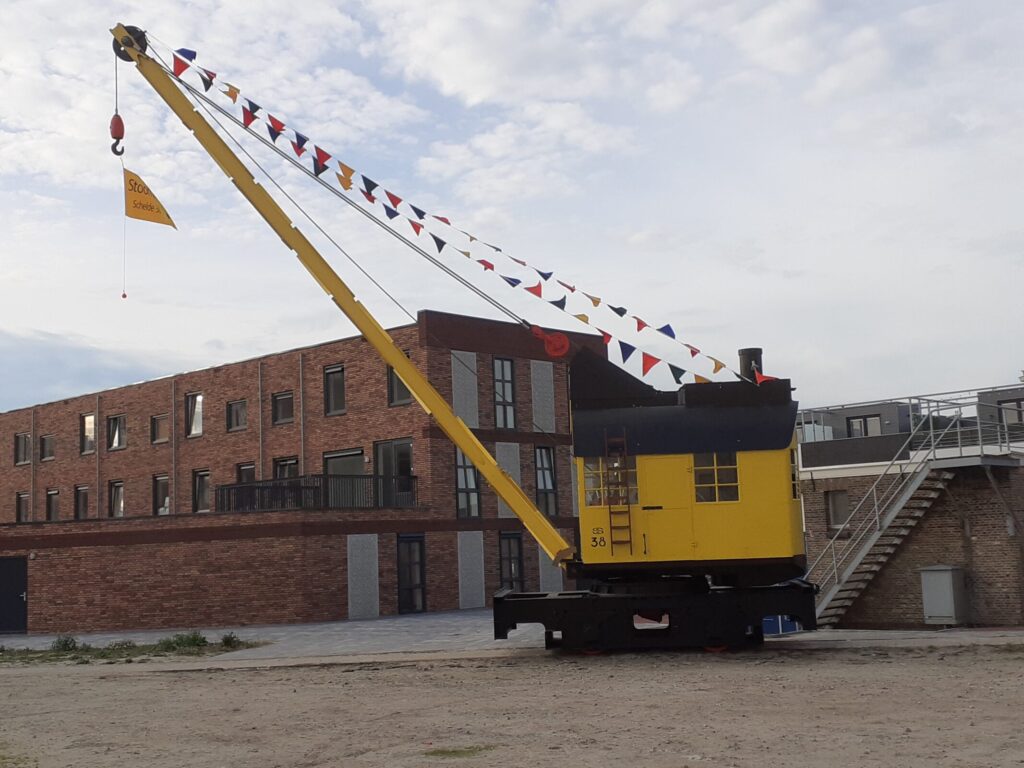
x: 318, y: 492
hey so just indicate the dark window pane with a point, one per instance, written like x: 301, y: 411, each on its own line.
x: 159, y: 428
x: 286, y: 468
x: 398, y: 393
x: 201, y: 491
x: 728, y: 493
x: 194, y: 414
x: 47, y: 447
x: 87, y: 433
x: 727, y: 476
x: 237, y: 415
x: 725, y: 459
x: 117, y: 436
x: 115, y: 499
x: 246, y: 473
x: 282, y: 408
x: 161, y: 495
x: 81, y: 502
x: 52, y: 506
x: 705, y: 493
x: 21, y: 504
x: 704, y: 477
x: 334, y: 389
x: 704, y: 460
x: 22, y: 448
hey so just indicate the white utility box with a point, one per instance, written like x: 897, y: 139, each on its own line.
x: 944, y: 590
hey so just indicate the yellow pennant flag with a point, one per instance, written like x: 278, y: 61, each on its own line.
x: 697, y: 379
x: 141, y: 203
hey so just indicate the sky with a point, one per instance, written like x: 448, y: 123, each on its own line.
x: 838, y: 183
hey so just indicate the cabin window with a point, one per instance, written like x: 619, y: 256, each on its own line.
x: 716, y: 477
x: 609, y: 481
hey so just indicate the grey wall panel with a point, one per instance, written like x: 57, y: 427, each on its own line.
x: 363, y: 576
x: 507, y: 456
x: 471, y: 569
x: 542, y: 389
x: 550, y: 574
x: 465, y: 398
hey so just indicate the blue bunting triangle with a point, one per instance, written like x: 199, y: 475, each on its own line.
x: 560, y: 303
x: 439, y: 243
x: 186, y: 53
x: 391, y: 212
x: 667, y: 330
x: 620, y: 311
x: 369, y: 185
x: 544, y: 275
x: 511, y: 281
x: 626, y: 349
x: 419, y: 213
x: 677, y: 373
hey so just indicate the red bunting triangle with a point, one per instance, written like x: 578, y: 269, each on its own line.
x: 322, y: 156
x: 247, y: 117
x: 395, y: 199
x: 517, y: 261
x: 536, y: 290
x: 369, y: 198
x: 693, y: 350
x: 570, y: 288
x: 760, y: 378
x: 444, y: 219
x: 649, y: 361
x: 488, y: 267
x: 605, y: 336
x: 416, y: 226
x: 640, y: 324
x: 180, y: 65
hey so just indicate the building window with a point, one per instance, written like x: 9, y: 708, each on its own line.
x: 159, y: 428
x: 864, y: 426
x: 510, y: 557
x: 161, y: 495
x: 716, y: 477
x: 504, y: 394
x: 194, y: 414
x: 115, y: 498
x: 245, y: 473
x: 794, y: 475
x: 87, y: 433
x: 21, y: 503
x: 23, y: 448
x: 237, y: 416
x: 610, y: 482
x: 398, y: 393
x: 1012, y: 411
x: 282, y: 408
x: 201, y: 490
x: 547, y: 493
x: 52, y: 505
x: 837, y: 506
x: 81, y: 502
x: 47, y: 447
x: 467, y: 486
x: 334, y: 390
x: 117, y: 432
x: 412, y: 574
x: 286, y: 467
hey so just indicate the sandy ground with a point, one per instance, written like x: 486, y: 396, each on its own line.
x: 926, y: 706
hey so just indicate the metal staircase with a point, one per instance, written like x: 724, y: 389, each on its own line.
x: 903, y: 493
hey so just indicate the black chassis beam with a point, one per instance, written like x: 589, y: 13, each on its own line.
x: 594, y: 621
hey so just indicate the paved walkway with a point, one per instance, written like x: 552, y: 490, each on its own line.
x: 472, y: 631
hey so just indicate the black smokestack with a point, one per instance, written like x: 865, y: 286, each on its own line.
x: 750, y: 361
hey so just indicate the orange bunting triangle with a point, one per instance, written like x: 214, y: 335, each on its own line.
x: 649, y: 361
x: 700, y: 379
x: 719, y: 365
x: 583, y: 318
x: 467, y: 254
x: 593, y: 300
x: 345, y: 181
x: 231, y: 92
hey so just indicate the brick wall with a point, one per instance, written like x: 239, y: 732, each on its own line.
x: 966, y: 526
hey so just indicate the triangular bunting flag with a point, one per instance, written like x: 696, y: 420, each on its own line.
x: 443, y: 219
x: 569, y: 288
x: 467, y: 254
x: 693, y: 350
x: 520, y: 262
x: 299, y: 145
x: 543, y: 275
x: 605, y: 337
x: 593, y: 299
x: 560, y: 303
x: 640, y: 324
x: 620, y: 311
x: 583, y: 318
x: 207, y: 77
x: 369, y: 184
x: 677, y: 373
x: 395, y: 199
x: 345, y: 177
x: 419, y: 214
x: 496, y: 248
x: 416, y: 226
x: 511, y: 281
x: 181, y: 61
x: 627, y: 350
x: 369, y: 198
x: 276, y: 127
x: 700, y: 379
x: 249, y: 112
x: 536, y: 290
x: 649, y: 361
x: 719, y: 365
x: 437, y: 241
x: 488, y: 267
x: 391, y: 212
x: 320, y: 161
x: 231, y: 92
x: 760, y: 378
x: 667, y: 330
x: 186, y: 53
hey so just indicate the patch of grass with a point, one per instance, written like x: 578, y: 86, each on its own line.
x: 7, y: 760
x: 189, y: 643
x: 458, y: 751
x: 64, y: 644
x: 124, y: 651
x: 230, y: 640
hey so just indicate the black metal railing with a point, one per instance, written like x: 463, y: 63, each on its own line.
x: 318, y: 492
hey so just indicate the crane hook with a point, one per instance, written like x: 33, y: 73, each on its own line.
x: 117, y: 134
x: 116, y: 149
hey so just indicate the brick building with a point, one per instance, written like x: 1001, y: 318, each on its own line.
x: 296, y: 487
x: 900, y: 489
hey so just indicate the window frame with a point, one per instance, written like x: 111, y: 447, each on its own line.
x: 22, y: 448
x: 285, y: 461
x: 510, y: 577
x: 470, y: 494
x: 113, y: 513
x: 122, y: 419
x: 82, y: 418
x: 863, y: 422
x: 154, y: 420
x: 81, y: 511
x: 719, y: 468
x: 420, y: 540
x: 19, y: 498
x: 596, y: 471
x: 1005, y: 407
x: 396, y: 385
x: 329, y: 371
x: 52, y: 505
x: 193, y: 405
x: 199, y: 475
x: 832, y: 526
x: 504, y: 406
x: 546, y: 498
x: 279, y: 397
x: 231, y: 409
x: 166, y: 479
x: 238, y: 472
x: 47, y: 441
